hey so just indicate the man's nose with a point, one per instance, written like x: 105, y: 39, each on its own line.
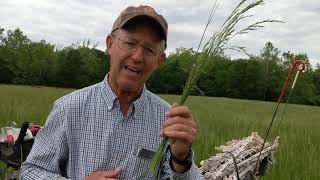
x: 137, y: 53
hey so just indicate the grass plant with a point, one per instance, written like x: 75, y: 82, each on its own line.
x: 216, y: 45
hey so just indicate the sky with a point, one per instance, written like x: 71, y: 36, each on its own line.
x: 64, y: 22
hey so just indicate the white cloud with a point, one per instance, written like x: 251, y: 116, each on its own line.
x: 70, y: 21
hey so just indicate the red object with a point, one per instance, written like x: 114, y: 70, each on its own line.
x: 34, y: 130
x: 9, y: 140
x: 298, y: 65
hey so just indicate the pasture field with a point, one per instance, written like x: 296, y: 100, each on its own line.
x: 219, y: 120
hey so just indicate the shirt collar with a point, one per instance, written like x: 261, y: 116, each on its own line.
x: 110, y: 97
x: 139, y: 103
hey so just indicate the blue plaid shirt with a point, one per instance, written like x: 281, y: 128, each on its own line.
x: 87, y: 132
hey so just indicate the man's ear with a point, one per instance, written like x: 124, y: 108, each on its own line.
x: 162, y: 58
x: 109, y: 43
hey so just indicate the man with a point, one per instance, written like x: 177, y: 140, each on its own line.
x: 110, y: 130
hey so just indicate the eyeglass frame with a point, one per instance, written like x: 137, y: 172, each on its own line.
x: 136, y: 44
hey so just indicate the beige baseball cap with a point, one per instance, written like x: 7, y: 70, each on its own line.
x: 132, y: 12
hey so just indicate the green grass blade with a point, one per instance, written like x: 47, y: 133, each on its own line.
x: 157, y: 158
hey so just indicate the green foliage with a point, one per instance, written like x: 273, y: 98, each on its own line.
x: 316, y: 80
x: 259, y: 77
x: 171, y: 76
x: 273, y: 75
x: 40, y: 63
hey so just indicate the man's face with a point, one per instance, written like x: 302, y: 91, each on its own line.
x: 134, y: 56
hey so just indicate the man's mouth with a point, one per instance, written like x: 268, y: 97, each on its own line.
x: 132, y: 70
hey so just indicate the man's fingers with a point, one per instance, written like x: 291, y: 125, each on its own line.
x: 111, y: 174
x: 181, y: 135
x: 180, y: 127
x: 178, y: 120
x: 182, y: 111
x: 104, y: 175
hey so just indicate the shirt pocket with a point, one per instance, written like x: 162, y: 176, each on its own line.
x: 138, y: 168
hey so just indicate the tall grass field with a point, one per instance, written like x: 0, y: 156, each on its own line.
x: 219, y: 120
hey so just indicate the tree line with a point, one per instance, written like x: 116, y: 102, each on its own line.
x: 258, y: 77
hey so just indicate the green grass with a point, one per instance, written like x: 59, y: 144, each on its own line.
x: 219, y: 120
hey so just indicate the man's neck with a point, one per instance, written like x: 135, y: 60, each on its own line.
x: 125, y: 100
x: 126, y: 97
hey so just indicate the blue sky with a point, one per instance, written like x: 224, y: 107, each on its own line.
x: 65, y: 22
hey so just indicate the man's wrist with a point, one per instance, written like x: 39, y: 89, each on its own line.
x: 181, y: 165
x: 183, y: 162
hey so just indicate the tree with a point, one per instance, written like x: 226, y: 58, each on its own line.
x: 171, y: 76
x: 14, y: 55
x: 304, y: 92
x: 80, y: 65
x: 41, y: 62
x: 288, y: 56
x: 270, y: 57
x: 1, y: 36
x: 214, y: 80
x: 259, y: 77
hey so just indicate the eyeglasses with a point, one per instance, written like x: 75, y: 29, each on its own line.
x: 129, y: 45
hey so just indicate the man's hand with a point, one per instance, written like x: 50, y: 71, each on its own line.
x: 104, y: 175
x: 181, y: 129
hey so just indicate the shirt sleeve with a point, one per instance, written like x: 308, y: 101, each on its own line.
x: 167, y: 172
x: 48, y: 156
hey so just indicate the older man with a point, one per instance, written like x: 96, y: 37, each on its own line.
x: 110, y: 130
